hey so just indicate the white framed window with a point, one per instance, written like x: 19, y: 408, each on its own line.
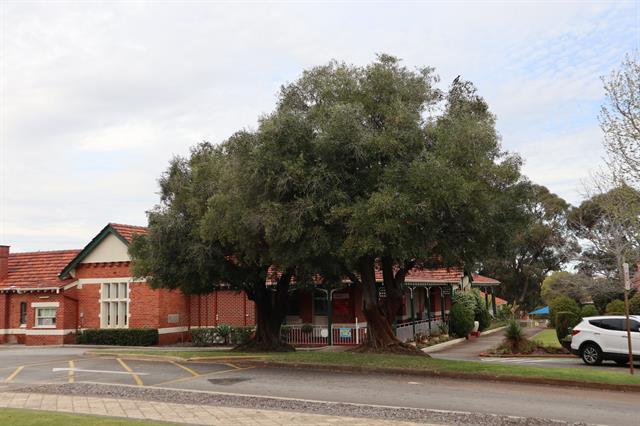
x: 114, y: 305
x: 46, y: 317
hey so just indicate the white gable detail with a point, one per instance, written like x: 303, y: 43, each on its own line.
x: 110, y: 249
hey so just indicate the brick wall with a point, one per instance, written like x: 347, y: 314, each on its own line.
x: 222, y: 307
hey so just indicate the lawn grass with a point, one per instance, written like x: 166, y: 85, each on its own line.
x: 11, y: 416
x: 547, y: 338
x: 469, y: 369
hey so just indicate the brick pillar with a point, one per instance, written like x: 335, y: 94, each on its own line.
x: 4, y: 262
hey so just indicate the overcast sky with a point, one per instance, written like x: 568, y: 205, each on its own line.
x: 97, y: 97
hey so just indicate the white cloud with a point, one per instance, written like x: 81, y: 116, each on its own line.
x: 97, y: 97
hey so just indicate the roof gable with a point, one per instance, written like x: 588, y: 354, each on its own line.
x: 122, y: 232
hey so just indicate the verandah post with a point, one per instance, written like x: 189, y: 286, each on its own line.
x: 428, y: 303
x: 493, y: 302
x: 442, y: 302
x: 413, y: 309
x: 486, y: 297
x: 330, y: 316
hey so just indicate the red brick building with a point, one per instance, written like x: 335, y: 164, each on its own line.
x: 46, y: 297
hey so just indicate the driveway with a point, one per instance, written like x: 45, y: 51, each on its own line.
x: 470, y: 350
x: 64, y: 368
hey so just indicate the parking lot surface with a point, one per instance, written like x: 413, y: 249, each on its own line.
x: 69, y: 367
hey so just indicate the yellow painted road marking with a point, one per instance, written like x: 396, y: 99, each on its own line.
x: 14, y: 374
x: 193, y: 373
x: 71, y: 373
x: 231, y: 365
x: 135, y: 376
x: 182, y: 379
x: 43, y: 363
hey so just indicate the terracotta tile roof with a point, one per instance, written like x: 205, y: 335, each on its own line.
x: 499, y: 301
x: 481, y: 279
x: 442, y: 275
x: 37, y: 269
x: 128, y: 231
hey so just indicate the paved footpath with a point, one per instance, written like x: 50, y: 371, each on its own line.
x: 177, y: 413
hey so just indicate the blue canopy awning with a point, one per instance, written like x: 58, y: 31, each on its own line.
x: 541, y: 311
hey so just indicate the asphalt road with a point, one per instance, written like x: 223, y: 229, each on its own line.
x: 22, y: 366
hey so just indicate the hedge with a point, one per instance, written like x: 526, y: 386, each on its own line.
x: 461, y: 319
x: 118, y: 336
x: 223, y: 334
x: 562, y: 304
x: 565, y: 321
x: 615, y: 307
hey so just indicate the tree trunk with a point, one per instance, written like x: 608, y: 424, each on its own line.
x: 393, y: 290
x: 380, y: 336
x: 271, y: 311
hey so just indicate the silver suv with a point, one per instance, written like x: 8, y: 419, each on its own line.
x: 597, y: 339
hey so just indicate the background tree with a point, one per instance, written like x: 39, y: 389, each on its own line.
x: 609, y: 223
x: 620, y: 119
x: 537, y: 245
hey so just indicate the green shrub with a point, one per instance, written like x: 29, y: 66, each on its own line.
x: 240, y: 335
x: 565, y: 321
x: 306, y: 328
x: 223, y: 330
x: 588, y: 311
x: 504, y: 312
x: 204, y: 336
x: 461, y: 319
x: 615, y: 307
x: 222, y: 334
x: 514, y: 341
x: 484, y: 319
x: 634, y: 305
x: 562, y: 304
x: 118, y: 337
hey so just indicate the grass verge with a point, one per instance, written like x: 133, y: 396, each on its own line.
x: 547, y: 338
x: 409, y: 364
x: 11, y: 416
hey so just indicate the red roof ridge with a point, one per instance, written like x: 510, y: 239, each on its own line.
x: 44, y: 251
x: 127, y: 225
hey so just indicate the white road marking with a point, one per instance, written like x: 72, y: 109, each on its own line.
x: 413, y: 383
x: 98, y: 371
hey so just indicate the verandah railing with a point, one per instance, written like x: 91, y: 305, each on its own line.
x: 318, y: 335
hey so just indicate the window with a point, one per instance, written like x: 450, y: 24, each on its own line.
x: 114, y: 305
x: 46, y: 317
x: 23, y: 313
x: 614, y: 324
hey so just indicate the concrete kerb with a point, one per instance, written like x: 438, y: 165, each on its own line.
x: 168, y: 358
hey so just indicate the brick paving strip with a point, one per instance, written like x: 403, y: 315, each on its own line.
x: 177, y: 413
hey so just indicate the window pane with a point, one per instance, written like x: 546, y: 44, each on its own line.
x: 124, y: 310
x: 613, y: 324
x: 115, y: 291
x: 105, y: 314
x: 105, y: 291
x: 123, y: 291
x: 115, y: 314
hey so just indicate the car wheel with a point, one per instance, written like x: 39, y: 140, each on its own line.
x: 591, y: 354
